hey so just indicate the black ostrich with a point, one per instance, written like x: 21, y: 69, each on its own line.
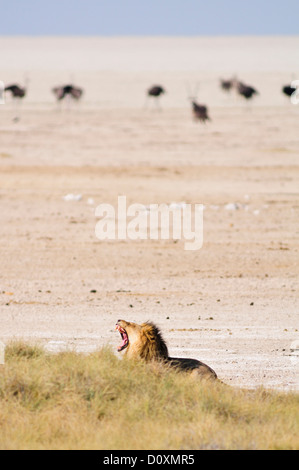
x: 67, y: 91
x: 246, y: 91
x: 226, y: 85
x: 16, y: 91
x: 200, y: 112
x: 155, y: 92
x: 288, y: 90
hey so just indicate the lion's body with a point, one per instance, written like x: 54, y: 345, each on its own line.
x: 146, y: 342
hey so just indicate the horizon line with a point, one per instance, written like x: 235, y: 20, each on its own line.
x: 187, y: 36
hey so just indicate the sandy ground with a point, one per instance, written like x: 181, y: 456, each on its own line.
x: 234, y: 303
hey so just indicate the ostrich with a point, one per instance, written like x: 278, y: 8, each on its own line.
x: 246, y: 91
x: 155, y: 92
x: 16, y: 91
x: 288, y: 90
x: 67, y: 91
x: 227, y: 85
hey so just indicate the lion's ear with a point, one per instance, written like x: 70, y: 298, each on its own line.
x: 147, y: 327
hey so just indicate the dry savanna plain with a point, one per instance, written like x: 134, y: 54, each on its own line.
x: 232, y: 304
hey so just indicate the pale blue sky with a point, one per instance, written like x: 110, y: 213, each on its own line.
x: 149, y: 17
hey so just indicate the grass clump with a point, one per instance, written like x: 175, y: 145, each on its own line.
x: 96, y: 401
x: 19, y: 349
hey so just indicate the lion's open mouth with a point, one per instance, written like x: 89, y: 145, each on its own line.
x: 124, y: 337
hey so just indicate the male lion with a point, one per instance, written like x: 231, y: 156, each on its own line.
x: 145, y: 342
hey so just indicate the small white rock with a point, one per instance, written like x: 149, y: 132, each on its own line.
x: 232, y: 206
x: 72, y: 197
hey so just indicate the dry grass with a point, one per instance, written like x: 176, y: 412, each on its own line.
x: 74, y: 401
